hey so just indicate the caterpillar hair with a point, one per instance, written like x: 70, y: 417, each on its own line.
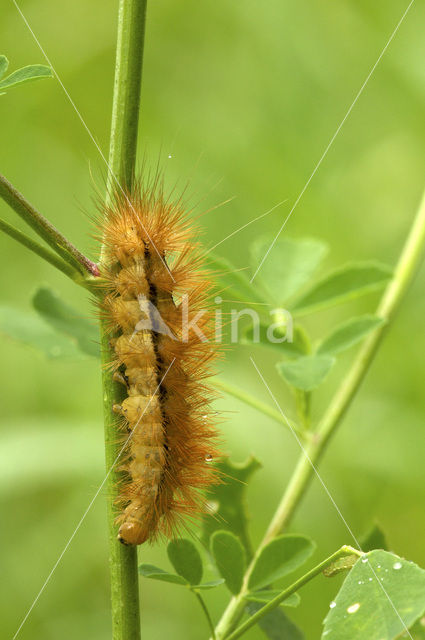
x: 156, y: 302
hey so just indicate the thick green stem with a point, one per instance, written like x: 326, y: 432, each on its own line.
x: 126, y: 105
x: 45, y: 229
x: 304, y: 472
x: 41, y: 251
x: 122, y: 157
x: 318, y: 569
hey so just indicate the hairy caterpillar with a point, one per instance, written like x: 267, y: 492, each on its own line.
x: 156, y: 288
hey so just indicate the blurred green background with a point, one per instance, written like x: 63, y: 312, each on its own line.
x: 244, y: 97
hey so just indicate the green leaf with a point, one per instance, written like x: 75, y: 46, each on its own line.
x: 233, y: 282
x: 30, y: 330
x: 26, y: 74
x: 346, y: 283
x: 208, y: 585
x: 229, y: 556
x: 374, y: 539
x: 226, y: 507
x: 281, y: 556
x: 307, y: 372
x: 265, y: 595
x: 288, y: 266
x: 64, y: 319
x: 155, y: 573
x: 4, y: 63
x: 348, y: 334
x: 299, y: 346
x: 275, y: 624
x: 381, y: 597
x: 186, y: 560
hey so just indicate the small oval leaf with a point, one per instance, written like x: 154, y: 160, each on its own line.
x: 186, y: 560
x: 343, y: 284
x: 155, y: 573
x: 306, y: 373
x: 289, y: 264
x: 348, y: 334
x: 26, y: 74
x: 229, y: 557
x: 267, y: 337
x: 281, y: 556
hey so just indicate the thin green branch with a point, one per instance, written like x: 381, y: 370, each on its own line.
x: 127, y: 86
x: 257, y: 404
x: 45, y: 229
x: 38, y: 249
x: 317, y: 570
x: 408, y: 264
x: 122, y: 157
x: 205, y: 610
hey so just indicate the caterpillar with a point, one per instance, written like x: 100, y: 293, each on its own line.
x: 156, y: 303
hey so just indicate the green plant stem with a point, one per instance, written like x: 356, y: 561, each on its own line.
x: 122, y: 157
x: 38, y: 249
x: 257, y: 404
x: 127, y: 86
x: 344, y: 551
x: 45, y: 229
x: 406, y: 268
x: 205, y: 610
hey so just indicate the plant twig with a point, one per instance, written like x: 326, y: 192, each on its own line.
x: 127, y: 86
x: 406, y: 268
x: 318, y: 569
x: 122, y: 156
x: 41, y: 251
x: 257, y: 404
x: 45, y: 229
x: 205, y: 610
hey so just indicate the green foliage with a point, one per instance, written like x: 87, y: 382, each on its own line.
x: 227, y: 508
x: 229, y: 557
x: 186, y: 560
x: 236, y: 284
x: 265, y: 595
x: 374, y: 539
x: 381, y: 597
x: 299, y: 346
x: 348, y: 334
x: 21, y: 76
x: 155, y: 573
x: 58, y: 330
x: 307, y: 372
x: 29, y: 329
x: 276, y: 625
x: 66, y: 320
x: 285, y: 274
x: 343, y: 284
x: 288, y: 267
x: 278, y: 558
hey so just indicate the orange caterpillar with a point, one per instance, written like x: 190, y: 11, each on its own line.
x: 155, y: 288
